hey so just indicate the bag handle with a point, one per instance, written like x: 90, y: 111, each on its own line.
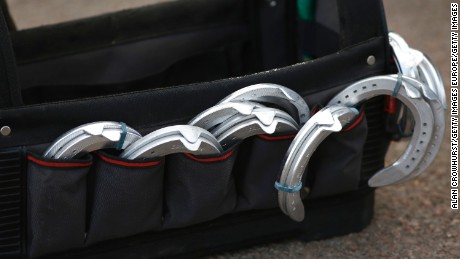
x: 10, y: 93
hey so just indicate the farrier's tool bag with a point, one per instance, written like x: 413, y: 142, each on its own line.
x: 159, y: 66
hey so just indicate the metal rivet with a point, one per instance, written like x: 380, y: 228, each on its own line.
x: 306, y: 190
x: 5, y: 130
x: 371, y: 60
x: 272, y: 3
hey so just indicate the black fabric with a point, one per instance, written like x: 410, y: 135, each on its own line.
x: 12, y: 201
x: 258, y: 167
x: 325, y: 218
x: 336, y: 163
x: 83, y: 35
x: 198, y: 191
x: 375, y: 148
x: 6, y: 13
x: 10, y: 94
x: 320, y: 36
x: 155, y: 63
x: 36, y: 124
x: 131, y: 61
x: 56, y: 204
x: 327, y: 14
x: 317, y: 40
x: 273, y: 33
x: 126, y: 197
x: 360, y: 20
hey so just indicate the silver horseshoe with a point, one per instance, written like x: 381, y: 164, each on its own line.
x: 429, y: 75
x: 407, y: 62
x: 262, y: 120
x: 271, y: 93
x: 329, y: 119
x: 173, y: 139
x: 410, y: 96
x: 415, y: 64
x: 90, y: 137
x: 219, y: 113
x: 438, y: 130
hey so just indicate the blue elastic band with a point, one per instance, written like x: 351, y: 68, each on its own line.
x: 397, y: 86
x: 123, y: 133
x: 287, y: 188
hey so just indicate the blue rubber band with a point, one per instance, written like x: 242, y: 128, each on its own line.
x: 123, y: 133
x: 397, y: 86
x: 287, y: 188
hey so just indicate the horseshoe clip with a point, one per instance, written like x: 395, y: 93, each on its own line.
x: 275, y: 94
x: 173, y: 139
x: 90, y: 137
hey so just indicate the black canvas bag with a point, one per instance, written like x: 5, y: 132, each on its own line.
x: 161, y: 65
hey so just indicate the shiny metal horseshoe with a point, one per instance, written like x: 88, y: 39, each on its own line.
x: 219, y: 113
x: 438, y: 130
x: 173, y: 139
x: 407, y: 62
x: 90, y: 137
x: 429, y: 75
x: 329, y: 119
x: 272, y: 93
x: 415, y: 64
x: 413, y: 99
x: 260, y: 121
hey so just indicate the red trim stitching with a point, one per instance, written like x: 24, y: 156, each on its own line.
x: 390, y: 104
x: 355, y: 123
x: 211, y: 159
x: 267, y: 137
x: 128, y: 164
x: 57, y: 164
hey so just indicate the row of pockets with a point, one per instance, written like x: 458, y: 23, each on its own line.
x: 76, y: 203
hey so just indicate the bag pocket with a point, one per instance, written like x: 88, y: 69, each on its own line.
x: 259, y: 169
x: 335, y: 166
x: 198, y: 189
x: 56, y: 204
x: 125, y: 197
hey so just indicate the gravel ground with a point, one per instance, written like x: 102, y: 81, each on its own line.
x: 412, y: 220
